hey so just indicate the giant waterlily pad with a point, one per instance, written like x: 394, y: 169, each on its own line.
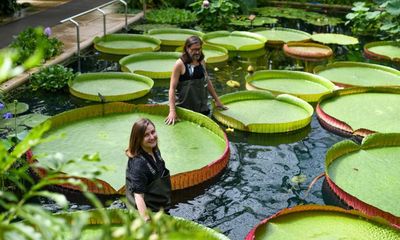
x: 313, y: 222
x: 366, y: 176
x: 307, y: 51
x: 173, y: 36
x: 125, y: 44
x: 269, y: 114
x: 194, y: 150
x: 383, y: 50
x: 334, y: 38
x: 110, y: 86
x: 361, y: 111
x: 156, y: 65
x: 279, y: 36
x: 212, y: 53
x: 306, y: 86
x: 236, y: 41
x: 347, y: 74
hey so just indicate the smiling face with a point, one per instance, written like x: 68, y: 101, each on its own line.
x: 149, y: 139
x: 195, y: 51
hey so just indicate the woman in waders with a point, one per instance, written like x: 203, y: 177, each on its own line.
x: 148, y: 184
x: 190, y: 80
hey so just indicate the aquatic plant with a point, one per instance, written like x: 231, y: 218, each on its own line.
x: 175, y: 16
x: 52, y: 78
x: 246, y: 22
x: 376, y: 20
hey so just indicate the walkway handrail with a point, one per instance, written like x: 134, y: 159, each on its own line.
x: 99, y: 8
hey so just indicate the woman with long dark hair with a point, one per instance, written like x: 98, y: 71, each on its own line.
x: 148, y: 184
x: 190, y: 83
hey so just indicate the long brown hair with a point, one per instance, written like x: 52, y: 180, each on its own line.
x: 137, y: 136
x: 188, y: 43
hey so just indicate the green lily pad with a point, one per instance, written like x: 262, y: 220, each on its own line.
x: 29, y: 120
x: 156, y: 65
x: 314, y: 222
x: 15, y: 109
x: 192, y: 145
x: 173, y: 36
x: 270, y: 114
x: 364, y: 171
x: 243, y: 21
x: 347, y: 74
x: 125, y: 44
x: 236, y: 41
x: 358, y: 109
x: 306, y: 86
x: 110, y: 86
x: 334, y: 38
x: 283, y: 35
x: 388, y: 50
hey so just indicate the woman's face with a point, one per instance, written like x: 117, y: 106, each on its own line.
x: 150, y: 138
x: 195, y: 51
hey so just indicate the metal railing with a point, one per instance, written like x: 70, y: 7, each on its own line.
x: 99, y: 9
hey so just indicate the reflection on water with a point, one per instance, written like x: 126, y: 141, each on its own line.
x: 258, y: 181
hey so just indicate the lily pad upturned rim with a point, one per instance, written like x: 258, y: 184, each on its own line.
x: 229, y: 47
x: 339, y: 39
x: 342, y: 148
x: 176, y: 43
x: 116, y: 216
x: 149, y: 56
x: 128, y: 37
x: 376, y: 56
x: 262, y: 128
x: 307, y: 56
x: 179, y: 181
x: 265, y: 74
x: 336, y: 125
x: 341, y: 64
x: 306, y: 208
x: 307, y: 36
x: 224, y: 57
x: 115, y: 75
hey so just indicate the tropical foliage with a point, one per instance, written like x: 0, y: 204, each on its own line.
x: 52, y: 78
x: 381, y: 19
x: 175, y: 16
x: 28, y: 40
x: 215, y: 15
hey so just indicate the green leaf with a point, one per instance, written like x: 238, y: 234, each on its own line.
x: 15, y: 108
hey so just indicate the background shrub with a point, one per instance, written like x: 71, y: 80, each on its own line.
x: 52, y: 78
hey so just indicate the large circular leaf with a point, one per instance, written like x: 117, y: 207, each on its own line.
x: 125, y: 44
x: 236, y: 41
x: 279, y: 36
x: 366, y: 176
x: 306, y: 86
x: 313, y: 222
x: 194, y: 150
x: 361, y: 111
x: 386, y: 50
x: 110, y: 86
x: 156, y: 65
x: 347, y: 74
x: 269, y: 114
x: 307, y: 51
x: 212, y: 53
x: 334, y: 38
x: 173, y: 36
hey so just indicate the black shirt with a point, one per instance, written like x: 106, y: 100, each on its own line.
x: 142, y: 170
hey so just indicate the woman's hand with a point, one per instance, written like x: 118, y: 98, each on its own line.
x: 171, y: 118
x: 220, y: 106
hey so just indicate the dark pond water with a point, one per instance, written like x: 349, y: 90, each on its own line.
x: 261, y: 176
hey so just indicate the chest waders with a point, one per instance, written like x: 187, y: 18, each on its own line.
x: 158, y: 195
x: 192, y: 93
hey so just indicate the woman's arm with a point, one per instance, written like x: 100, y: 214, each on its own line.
x: 141, y: 206
x: 211, y: 89
x: 176, y: 72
